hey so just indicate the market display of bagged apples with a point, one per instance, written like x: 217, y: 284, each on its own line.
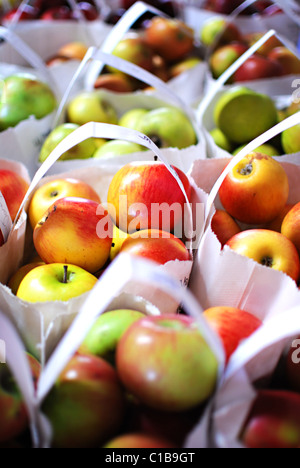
x: 149, y: 225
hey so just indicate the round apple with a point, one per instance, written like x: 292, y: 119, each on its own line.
x: 55, y: 282
x: 89, y: 106
x: 268, y: 248
x: 176, y: 369
x: 249, y: 193
x: 13, y: 188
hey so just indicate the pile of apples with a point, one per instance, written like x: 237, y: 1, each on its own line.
x: 229, y: 43
x: 52, y: 10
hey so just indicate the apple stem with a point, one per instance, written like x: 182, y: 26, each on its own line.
x: 65, y: 279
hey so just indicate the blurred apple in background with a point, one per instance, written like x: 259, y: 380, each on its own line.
x: 114, y: 82
x: 258, y: 67
x: 290, y: 140
x: 148, y: 189
x: 75, y: 231
x: 55, y: 189
x: 273, y: 420
x: 115, y: 148
x: 268, y: 248
x: 158, y: 246
x: 134, y: 49
x: 287, y: 59
x: 223, y: 57
x: 90, y: 106
x: 248, y: 192
x: 55, y: 282
x: 216, y: 32
x: 86, y: 406
x: 232, y: 325
x: 224, y: 226
x: 176, y: 369
x: 83, y: 150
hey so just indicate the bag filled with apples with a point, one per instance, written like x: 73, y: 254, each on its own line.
x: 161, y: 115
x: 249, y: 17
x: 163, y: 46
x: 248, y: 256
x: 28, y: 101
x: 257, y: 402
x: 233, y: 115
x: 101, y: 348
x: 153, y: 197
x: 53, y: 33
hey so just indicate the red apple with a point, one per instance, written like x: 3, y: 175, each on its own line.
x: 273, y: 421
x: 14, y: 188
x: 86, y: 406
x: 176, y: 369
x: 287, y: 59
x: 57, y: 14
x: 14, y: 417
x: 158, y: 246
x: 291, y: 225
x: 224, y: 226
x: 145, y: 195
x: 75, y: 231
x: 223, y: 57
x: 269, y: 248
x: 23, y: 13
x: 249, y: 193
x: 258, y: 67
x: 232, y: 325
x: 87, y: 10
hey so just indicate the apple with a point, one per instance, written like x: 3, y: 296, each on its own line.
x: 53, y: 190
x: 268, y: 248
x: 267, y: 47
x: 276, y: 224
x: 248, y: 192
x: 90, y: 106
x: 176, y: 369
x: 24, y: 95
x: 59, y: 13
x: 273, y: 420
x: 131, y: 118
x: 83, y: 150
x: 217, y: 31
x: 75, y: 231
x: 115, y: 83
x: 13, y: 188
x: 134, y: 49
x: 55, y: 282
x: 115, y: 148
x: 233, y: 326
x: 86, y: 406
x: 138, y: 440
x: 258, y: 67
x: 86, y: 10
x: 14, y: 417
x: 172, y: 39
x: 223, y: 57
x: 290, y: 225
x: 224, y: 226
x: 144, y: 195
x: 243, y: 114
x: 287, y: 59
x: 221, y: 140
x: 168, y: 127
x: 119, y: 238
x: 17, y: 278
x: 22, y: 13
x: 290, y: 140
x: 158, y: 246
x: 105, y: 334
x: 267, y: 149
x: 74, y: 50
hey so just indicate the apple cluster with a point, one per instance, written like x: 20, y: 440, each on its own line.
x: 228, y: 43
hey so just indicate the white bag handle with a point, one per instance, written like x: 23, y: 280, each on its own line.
x: 95, y: 54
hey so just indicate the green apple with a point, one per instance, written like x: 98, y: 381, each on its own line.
x: 55, y: 282
x: 131, y: 119
x: 24, y: 95
x: 115, y: 148
x: 221, y: 140
x: 90, y: 106
x: 243, y: 114
x: 168, y: 127
x: 269, y: 150
x: 84, y: 150
x: 103, y: 338
x: 291, y: 140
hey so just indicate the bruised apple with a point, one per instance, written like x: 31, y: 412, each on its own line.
x: 145, y: 195
x: 249, y: 192
x: 75, y: 231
